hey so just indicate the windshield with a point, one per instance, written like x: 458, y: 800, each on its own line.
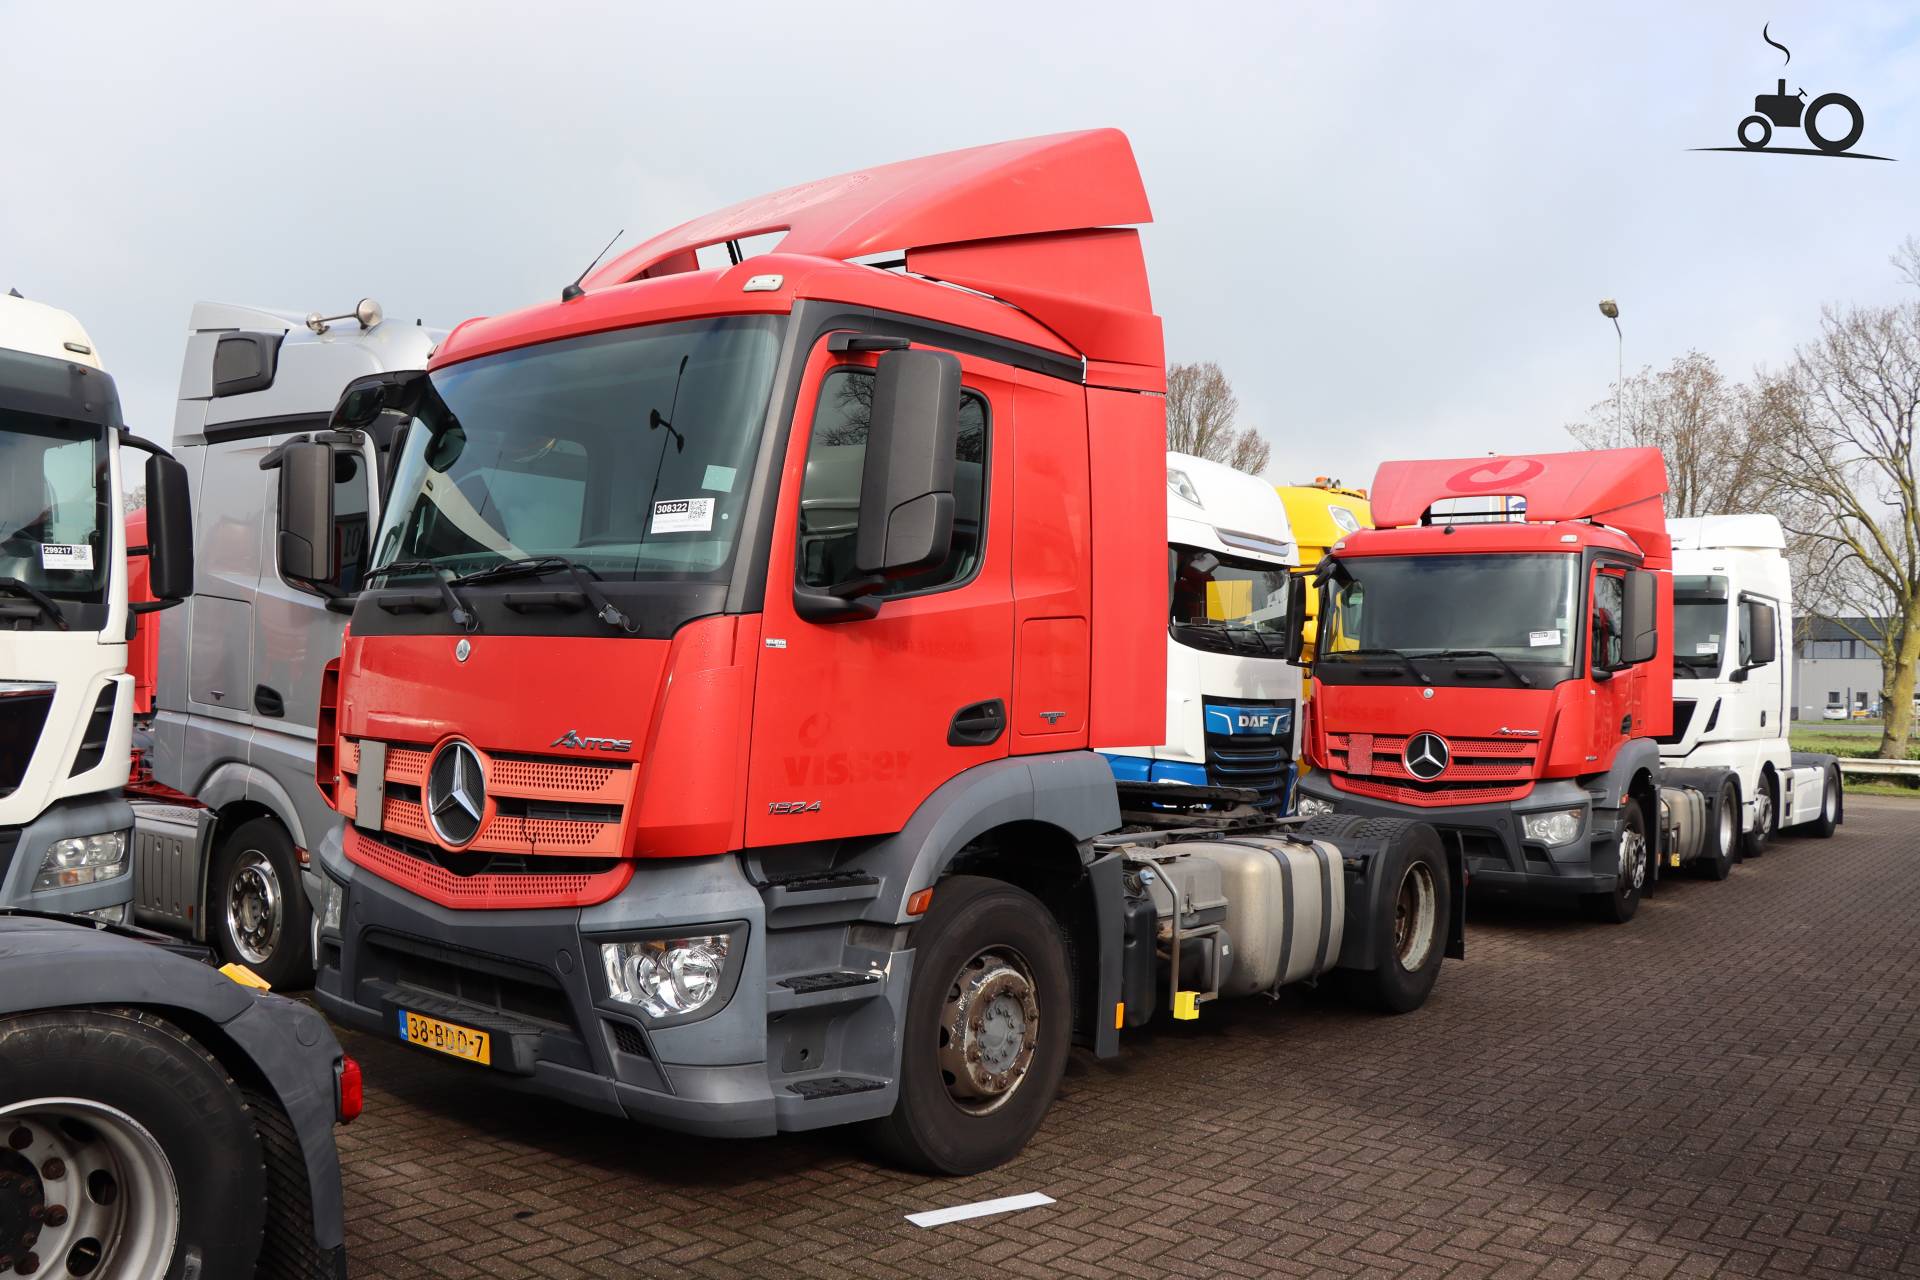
x: 1522, y: 608
x: 627, y: 452
x: 53, y: 505
x: 1699, y: 624
x: 1226, y: 603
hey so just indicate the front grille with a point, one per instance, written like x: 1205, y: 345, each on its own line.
x: 1432, y: 794
x: 9, y: 842
x: 1256, y: 762
x: 481, y: 882
x: 1682, y: 717
x: 538, y: 806
x: 23, y: 713
x: 1479, y: 770
x: 488, y: 981
x: 627, y: 1038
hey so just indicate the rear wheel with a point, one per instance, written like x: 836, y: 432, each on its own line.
x: 1410, y: 920
x: 1636, y: 865
x: 1723, y: 838
x: 989, y: 1021
x: 1823, y: 826
x: 1754, y: 842
x: 260, y: 914
x: 125, y: 1150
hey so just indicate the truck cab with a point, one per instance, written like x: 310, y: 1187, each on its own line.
x: 234, y: 811
x: 66, y: 701
x: 1232, y: 696
x: 1732, y: 620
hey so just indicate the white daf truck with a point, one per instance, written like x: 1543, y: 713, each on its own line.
x: 225, y: 829
x: 1233, y: 700
x: 66, y: 701
x: 1732, y: 620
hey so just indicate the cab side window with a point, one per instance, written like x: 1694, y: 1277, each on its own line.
x: 1609, y: 599
x: 830, y: 496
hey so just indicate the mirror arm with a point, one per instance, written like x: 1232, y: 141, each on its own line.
x: 342, y: 603
x: 128, y: 440
x: 825, y: 606
x: 154, y: 606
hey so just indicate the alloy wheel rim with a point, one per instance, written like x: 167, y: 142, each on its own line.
x: 254, y: 907
x: 989, y: 1030
x: 1633, y: 847
x: 1415, y: 913
x: 85, y: 1190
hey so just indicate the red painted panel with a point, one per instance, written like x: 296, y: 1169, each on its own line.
x: 143, y: 649
x: 1052, y: 576
x: 1050, y: 686
x: 1126, y: 435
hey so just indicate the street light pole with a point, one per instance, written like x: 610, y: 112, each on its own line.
x: 1611, y: 310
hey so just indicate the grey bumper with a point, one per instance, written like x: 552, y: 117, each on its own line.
x: 85, y: 816
x: 1499, y: 859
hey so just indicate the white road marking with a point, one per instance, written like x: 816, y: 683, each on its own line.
x: 961, y: 1212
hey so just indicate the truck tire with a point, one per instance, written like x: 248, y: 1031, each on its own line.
x: 1766, y: 821
x: 139, y: 1135
x: 1636, y: 865
x: 1410, y: 920
x: 1830, y: 805
x: 259, y: 915
x: 288, y: 1250
x: 989, y: 1021
x: 1723, y: 834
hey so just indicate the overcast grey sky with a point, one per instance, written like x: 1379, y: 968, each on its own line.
x: 1390, y: 224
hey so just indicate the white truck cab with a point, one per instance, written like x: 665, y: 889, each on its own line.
x: 66, y: 700
x: 1233, y: 701
x: 237, y: 686
x: 1732, y: 639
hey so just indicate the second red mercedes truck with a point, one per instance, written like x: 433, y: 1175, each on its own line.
x: 715, y: 735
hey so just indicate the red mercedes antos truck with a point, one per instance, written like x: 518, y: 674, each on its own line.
x: 1497, y: 657
x: 715, y: 736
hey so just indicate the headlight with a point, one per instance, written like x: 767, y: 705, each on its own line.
x: 1178, y: 482
x: 83, y: 860
x: 1555, y: 826
x: 666, y: 977
x: 1312, y: 807
x: 332, y: 897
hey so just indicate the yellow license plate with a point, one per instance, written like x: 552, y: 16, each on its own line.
x: 446, y: 1037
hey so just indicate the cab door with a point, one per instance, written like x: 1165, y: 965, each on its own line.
x: 857, y: 721
x: 1614, y: 685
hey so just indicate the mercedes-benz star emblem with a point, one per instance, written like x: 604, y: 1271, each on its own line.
x: 461, y: 650
x: 456, y: 794
x: 1426, y: 756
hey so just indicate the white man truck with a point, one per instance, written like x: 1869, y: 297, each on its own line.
x: 66, y: 701
x: 1732, y: 610
x: 1233, y: 699
x: 229, y: 805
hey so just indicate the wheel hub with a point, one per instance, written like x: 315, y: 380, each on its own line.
x: 253, y: 908
x: 989, y: 1029
x: 1633, y: 852
x: 1413, y: 917
x: 85, y: 1190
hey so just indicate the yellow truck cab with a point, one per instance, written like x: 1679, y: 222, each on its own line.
x: 1321, y: 514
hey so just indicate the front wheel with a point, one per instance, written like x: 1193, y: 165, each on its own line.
x: 125, y: 1150
x: 989, y: 1022
x: 1856, y: 122
x: 260, y: 916
x: 1636, y: 864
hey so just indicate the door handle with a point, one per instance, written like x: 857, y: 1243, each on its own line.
x: 268, y: 702
x: 978, y: 724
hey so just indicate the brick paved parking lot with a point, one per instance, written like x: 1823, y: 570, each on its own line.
x: 1730, y: 1084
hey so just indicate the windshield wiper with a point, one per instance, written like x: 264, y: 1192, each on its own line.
x: 456, y: 607
x: 1384, y: 653
x: 1506, y: 666
x: 539, y: 566
x: 39, y: 597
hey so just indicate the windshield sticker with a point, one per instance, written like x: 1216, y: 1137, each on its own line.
x: 1540, y: 639
x: 65, y: 555
x: 683, y: 515
x: 718, y: 479
x: 1707, y: 646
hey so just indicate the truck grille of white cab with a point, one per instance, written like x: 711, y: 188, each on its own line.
x: 24, y: 706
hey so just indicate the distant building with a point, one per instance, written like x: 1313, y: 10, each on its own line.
x: 1835, y: 674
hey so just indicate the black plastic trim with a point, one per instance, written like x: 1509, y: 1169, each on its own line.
x: 253, y: 360
x: 254, y: 428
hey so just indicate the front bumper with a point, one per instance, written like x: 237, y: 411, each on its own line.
x: 85, y: 816
x: 1500, y: 860
x: 533, y: 980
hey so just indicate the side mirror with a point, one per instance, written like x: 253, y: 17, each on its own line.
x: 1640, y: 623
x: 1297, y: 620
x: 1761, y: 644
x: 306, y: 512
x: 906, y: 484
x: 169, y: 529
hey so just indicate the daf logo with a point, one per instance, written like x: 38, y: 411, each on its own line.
x: 1426, y: 756
x: 456, y: 794
x: 462, y: 650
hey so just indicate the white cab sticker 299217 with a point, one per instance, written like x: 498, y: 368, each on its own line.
x: 66, y: 555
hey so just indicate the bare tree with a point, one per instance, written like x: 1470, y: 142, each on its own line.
x: 1202, y: 419
x: 1702, y: 422
x: 1840, y: 424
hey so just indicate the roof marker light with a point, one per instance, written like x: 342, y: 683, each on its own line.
x: 762, y: 284
x: 1178, y: 482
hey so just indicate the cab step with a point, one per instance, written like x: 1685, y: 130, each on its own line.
x: 834, y: 1086
x: 812, y: 990
x: 807, y: 983
x: 817, y: 897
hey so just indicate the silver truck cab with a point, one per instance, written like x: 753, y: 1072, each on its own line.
x: 238, y: 671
